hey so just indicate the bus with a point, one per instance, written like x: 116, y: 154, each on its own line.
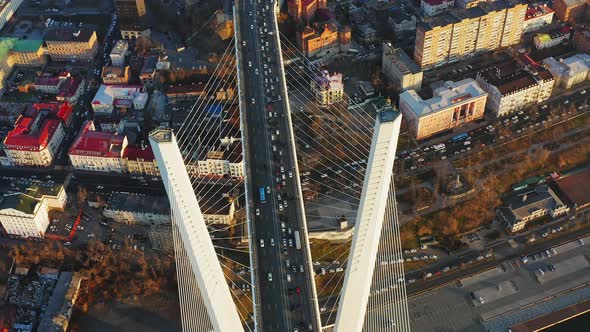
x: 262, y: 195
x: 459, y: 137
x: 297, y: 239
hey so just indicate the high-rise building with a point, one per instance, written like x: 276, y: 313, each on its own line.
x: 130, y: 9
x: 465, y: 32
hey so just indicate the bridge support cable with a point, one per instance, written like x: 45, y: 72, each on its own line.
x: 365, y: 121
x: 369, y: 224
x: 193, y: 312
x: 387, y: 308
x: 305, y: 77
x: 198, y: 247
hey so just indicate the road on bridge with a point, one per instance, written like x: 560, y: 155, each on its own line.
x: 282, y: 265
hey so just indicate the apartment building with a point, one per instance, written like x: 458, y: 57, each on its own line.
x: 452, y: 104
x: 129, y: 208
x: 65, y: 44
x: 327, y: 89
x: 400, y: 68
x: 511, y: 87
x: 537, y: 16
x: 462, y: 33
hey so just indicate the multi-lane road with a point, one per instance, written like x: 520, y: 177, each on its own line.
x: 284, y: 280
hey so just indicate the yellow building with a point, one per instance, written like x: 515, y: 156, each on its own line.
x: 465, y: 32
x: 26, y: 52
x: 323, y: 40
x: 71, y: 45
x: 452, y: 104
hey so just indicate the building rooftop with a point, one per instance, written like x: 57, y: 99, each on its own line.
x: 149, y: 66
x: 444, y: 96
x: 534, y: 11
x: 69, y: 35
x: 108, y: 94
x: 120, y: 47
x: 329, y: 82
x: 97, y: 143
x: 18, y: 201
x: 35, y: 127
x: 71, y: 85
x: 574, y: 188
x: 31, y: 187
x: 572, y: 3
x: 27, y: 45
x: 135, y: 152
x: 510, y: 77
x: 521, y: 206
x: 139, y: 203
x: 58, y: 310
x: 179, y: 89
x: 402, y: 61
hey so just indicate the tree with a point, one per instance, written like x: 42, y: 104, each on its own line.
x: 82, y: 194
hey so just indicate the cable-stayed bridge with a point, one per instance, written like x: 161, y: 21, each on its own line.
x: 287, y: 162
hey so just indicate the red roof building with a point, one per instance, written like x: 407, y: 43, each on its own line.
x: 37, y: 135
x: 71, y: 90
x: 97, y: 151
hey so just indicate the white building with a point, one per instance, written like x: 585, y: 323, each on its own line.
x: 537, y: 17
x: 24, y: 207
x: 435, y: 7
x: 119, y: 52
x: 97, y: 151
x: 530, y: 206
x: 553, y: 38
x: 327, y: 89
x: 511, y: 87
x: 7, y: 9
x: 400, y: 68
x: 123, y: 96
x: 452, y: 104
x: 570, y: 71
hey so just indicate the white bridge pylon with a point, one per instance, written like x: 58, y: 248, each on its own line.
x: 205, y: 266
x: 369, y: 223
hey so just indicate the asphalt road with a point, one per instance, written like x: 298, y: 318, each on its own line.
x: 284, y: 293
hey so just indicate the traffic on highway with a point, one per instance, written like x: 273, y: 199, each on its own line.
x: 282, y: 275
